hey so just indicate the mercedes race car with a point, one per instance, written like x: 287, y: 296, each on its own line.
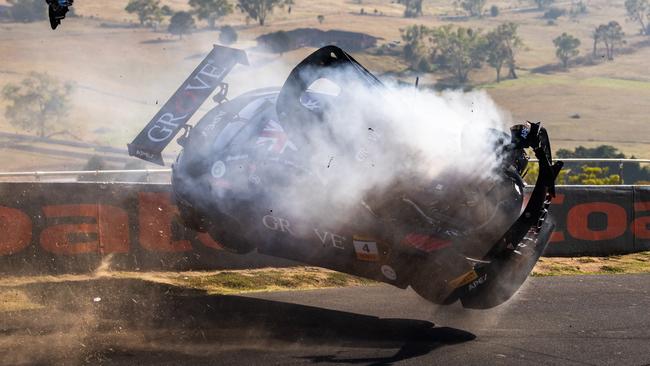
x: 247, y: 176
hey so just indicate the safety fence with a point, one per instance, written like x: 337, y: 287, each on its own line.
x: 72, y: 227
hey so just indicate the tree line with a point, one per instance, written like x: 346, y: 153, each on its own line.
x: 596, y: 173
x: 150, y: 12
x: 458, y: 50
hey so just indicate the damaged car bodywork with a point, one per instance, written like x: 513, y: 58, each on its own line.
x: 449, y: 239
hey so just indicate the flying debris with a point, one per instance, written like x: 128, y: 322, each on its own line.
x: 57, y: 9
x: 249, y: 164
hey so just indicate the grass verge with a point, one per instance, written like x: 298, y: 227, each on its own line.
x: 12, y: 298
x: 616, y: 264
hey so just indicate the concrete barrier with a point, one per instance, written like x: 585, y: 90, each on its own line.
x: 71, y: 227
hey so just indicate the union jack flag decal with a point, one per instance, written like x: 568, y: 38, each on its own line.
x: 274, y: 136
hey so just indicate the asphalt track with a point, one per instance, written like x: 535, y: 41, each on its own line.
x: 582, y: 320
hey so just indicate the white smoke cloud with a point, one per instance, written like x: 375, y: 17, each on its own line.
x: 370, y: 138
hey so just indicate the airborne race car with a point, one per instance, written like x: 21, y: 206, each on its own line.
x: 246, y: 162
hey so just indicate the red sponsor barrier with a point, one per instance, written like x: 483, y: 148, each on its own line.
x: 600, y: 221
x: 70, y: 227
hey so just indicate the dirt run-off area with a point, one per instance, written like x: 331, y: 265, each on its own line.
x: 119, y: 318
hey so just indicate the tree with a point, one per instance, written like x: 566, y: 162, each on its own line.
x: 458, y: 50
x: 210, y: 10
x: 501, y: 44
x: 473, y: 7
x: 577, y: 8
x: 417, y: 47
x: 566, y: 47
x: 38, y: 102
x: 598, y: 35
x: 413, y: 8
x: 611, y: 35
x: 181, y: 23
x: 259, y: 9
x: 228, y: 35
x: 554, y: 13
x: 158, y: 15
x: 27, y: 10
x: 320, y: 18
x: 639, y: 11
x: 148, y: 11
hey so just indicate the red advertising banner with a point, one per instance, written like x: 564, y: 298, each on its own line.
x: 71, y: 227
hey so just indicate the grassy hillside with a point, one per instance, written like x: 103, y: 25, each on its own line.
x: 124, y: 74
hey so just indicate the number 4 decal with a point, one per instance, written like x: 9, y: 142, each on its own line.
x: 366, y: 250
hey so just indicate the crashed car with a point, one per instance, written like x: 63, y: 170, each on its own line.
x: 447, y: 238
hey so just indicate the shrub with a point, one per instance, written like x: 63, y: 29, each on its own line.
x: 228, y: 35
x: 554, y: 13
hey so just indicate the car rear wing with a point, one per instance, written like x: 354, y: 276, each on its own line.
x: 178, y: 110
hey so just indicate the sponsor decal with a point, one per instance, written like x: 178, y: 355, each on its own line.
x: 275, y: 223
x: 275, y: 138
x: 389, y: 272
x: 218, y: 169
x: 366, y: 250
x: 426, y: 243
x: 463, y: 279
x: 215, y: 121
x: 479, y: 281
x: 329, y: 238
x: 184, y: 103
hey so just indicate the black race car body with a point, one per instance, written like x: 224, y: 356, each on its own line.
x: 247, y: 162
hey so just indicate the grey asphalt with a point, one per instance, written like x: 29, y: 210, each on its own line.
x: 582, y: 320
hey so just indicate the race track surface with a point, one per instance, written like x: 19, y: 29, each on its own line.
x: 582, y: 320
